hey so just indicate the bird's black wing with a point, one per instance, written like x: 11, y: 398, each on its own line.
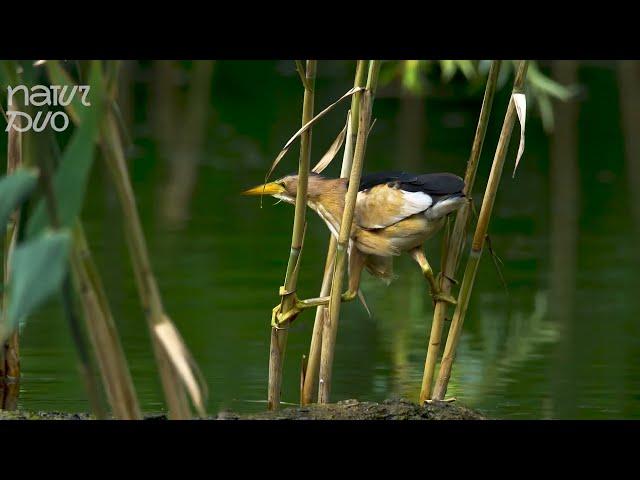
x: 437, y: 184
x: 434, y: 184
x: 372, y: 179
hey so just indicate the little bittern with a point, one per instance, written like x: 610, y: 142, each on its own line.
x: 395, y: 212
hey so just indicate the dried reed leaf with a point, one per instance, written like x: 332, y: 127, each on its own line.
x: 183, y: 362
x: 364, y: 303
x: 371, y: 127
x: 333, y: 150
x: 520, y: 101
x: 303, y: 75
x: 306, y: 127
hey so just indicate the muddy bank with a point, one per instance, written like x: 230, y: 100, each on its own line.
x: 345, y: 410
x: 355, y: 410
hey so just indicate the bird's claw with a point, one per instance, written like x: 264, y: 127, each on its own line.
x: 439, y: 278
x: 278, y: 318
x: 440, y: 296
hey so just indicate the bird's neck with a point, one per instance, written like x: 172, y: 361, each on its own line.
x: 328, y: 203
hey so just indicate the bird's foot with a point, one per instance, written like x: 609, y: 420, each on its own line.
x: 451, y: 279
x: 440, y: 296
x: 279, y: 320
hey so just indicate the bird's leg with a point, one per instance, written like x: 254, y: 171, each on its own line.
x: 356, y: 264
x: 418, y: 255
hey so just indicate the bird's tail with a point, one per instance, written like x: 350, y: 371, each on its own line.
x: 380, y: 267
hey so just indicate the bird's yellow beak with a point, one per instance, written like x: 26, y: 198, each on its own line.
x: 271, y: 188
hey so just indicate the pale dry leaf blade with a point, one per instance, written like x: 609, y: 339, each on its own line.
x: 364, y: 303
x: 371, y: 126
x: 520, y: 102
x: 307, y: 126
x: 303, y: 75
x: 183, y: 362
x: 335, y: 147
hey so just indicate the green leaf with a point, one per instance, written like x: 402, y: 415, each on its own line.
x: 411, y: 79
x: 467, y: 68
x: 15, y: 189
x: 59, y: 76
x: 448, y: 68
x: 38, y: 268
x: 70, y: 180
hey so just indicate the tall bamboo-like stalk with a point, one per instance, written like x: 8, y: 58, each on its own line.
x: 189, y: 127
x: 313, y: 363
x: 178, y: 370
x: 479, y: 237
x: 9, y: 352
x: 458, y: 237
x: 279, y: 335
x: 147, y: 285
x: 102, y: 331
x: 330, y: 328
x: 564, y: 192
x: 85, y: 364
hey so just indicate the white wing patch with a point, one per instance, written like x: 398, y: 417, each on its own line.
x: 382, y: 206
x: 415, y: 202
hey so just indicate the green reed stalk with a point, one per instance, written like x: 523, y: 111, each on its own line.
x: 102, y: 331
x: 313, y: 363
x: 456, y: 241
x: 9, y: 352
x: 279, y: 335
x: 478, y: 238
x: 330, y: 329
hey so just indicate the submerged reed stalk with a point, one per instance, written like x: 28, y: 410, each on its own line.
x: 9, y: 352
x: 313, y: 363
x: 455, y: 243
x: 330, y: 328
x: 279, y: 335
x: 479, y: 237
x: 102, y: 331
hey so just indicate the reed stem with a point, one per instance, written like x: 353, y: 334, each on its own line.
x: 146, y: 282
x: 313, y: 363
x: 102, y: 331
x: 9, y: 352
x: 85, y: 364
x: 279, y: 335
x: 330, y: 328
x: 479, y: 237
x: 455, y: 243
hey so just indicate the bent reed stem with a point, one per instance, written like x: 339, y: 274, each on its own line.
x: 315, y: 347
x: 479, y: 238
x: 279, y: 335
x: 330, y: 328
x: 457, y: 239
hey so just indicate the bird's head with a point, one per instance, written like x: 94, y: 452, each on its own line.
x: 286, y: 188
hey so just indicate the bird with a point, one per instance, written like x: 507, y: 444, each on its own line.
x: 396, y: 212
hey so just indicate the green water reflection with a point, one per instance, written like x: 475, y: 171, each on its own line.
x: 520, y: 356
